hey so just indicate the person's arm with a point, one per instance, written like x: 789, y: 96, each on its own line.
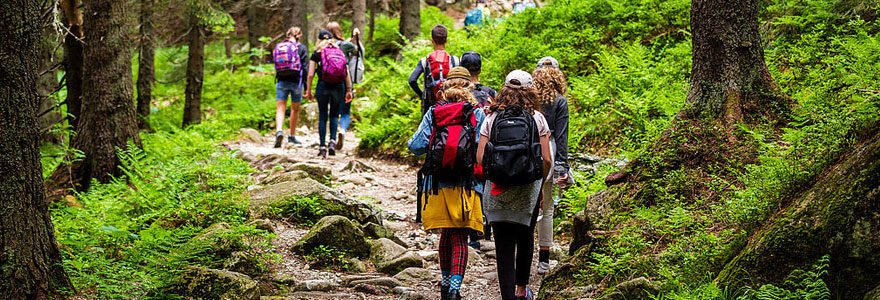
x: 482, y: 148
x: 348, y: 87
x: 561, y: 134
x: 545, y: 154
x: 308, y: 88
x: 303, y: 53
x: 418, y: 144
x: 414, y: 79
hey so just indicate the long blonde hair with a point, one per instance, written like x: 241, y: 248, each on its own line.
x: 295, y: 33
x: 335, y: 30
x: 549, y: 83
x: 458, y: 90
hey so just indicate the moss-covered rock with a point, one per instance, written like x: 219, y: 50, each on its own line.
x: 285, y: 177
x: 839, y: 215
x: 320, y: 173
x: 406, y: 260
x: 384, y: 250
x: 267, y: 201
x: 245, y: 263
x: 336, y: 232
x: 220, y: 240
x: 637, y: 289
x: 202, y: 283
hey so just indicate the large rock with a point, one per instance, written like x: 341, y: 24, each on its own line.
x: 837, y: 215
x: 308, y: 115
x: 245, y: 263
x: 276, y: 197
x: 384, y: 250
x: 285, y: 177
x: 336, y: 232
x: 377, y: 231
x: 250, y: 135
x: 407, y: 260
x: 636, y: 289
x: 317, y: 172
x: 219, y: 240
x: 202, y: 283
x: 413, y: 276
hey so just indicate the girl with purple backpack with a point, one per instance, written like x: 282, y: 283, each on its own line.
x: 290, y: 58
x: 333, y: 88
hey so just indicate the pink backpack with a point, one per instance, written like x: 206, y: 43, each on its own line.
x: 285, y: 57
x: 332, y: 64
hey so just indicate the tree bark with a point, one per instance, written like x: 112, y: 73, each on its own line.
x: 257, y: 19
x: 317, y: 20
x: 373, y: 7
x: 358, y: 18
x: 295, y: 13
x: 410, y: 19
x: 146, y: 69
x: 192, y: 110
x: 73, y: 59
x: 29, y: 254
x: 46, y: 85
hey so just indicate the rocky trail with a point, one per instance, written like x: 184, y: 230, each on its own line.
x: 376, y: 199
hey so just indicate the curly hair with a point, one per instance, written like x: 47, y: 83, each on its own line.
x: 549, y: 83
x: 524, y: 97
x: 458, y: 90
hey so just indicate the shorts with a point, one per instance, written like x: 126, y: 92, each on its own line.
x: 283, y: 89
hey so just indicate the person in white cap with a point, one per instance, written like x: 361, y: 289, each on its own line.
x: 511, y: 207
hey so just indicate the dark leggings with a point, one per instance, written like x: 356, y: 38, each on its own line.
x: 329, y: 96
x: 514, y: 247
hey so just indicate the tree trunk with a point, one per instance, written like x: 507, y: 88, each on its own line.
x: 257, y: 20
x: 317, y: 20
x: 195, y: 64
x: 29, y: 254
x: 46, y: 85
x: 373, y: 7
x: 108, y: 120
x: 295, y: 14
x: 410, y: 19
x: 73, y: 59
x: 146, y: 70
x: 358, y: 18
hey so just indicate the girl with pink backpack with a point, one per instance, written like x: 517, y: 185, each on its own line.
x: 333, y: 88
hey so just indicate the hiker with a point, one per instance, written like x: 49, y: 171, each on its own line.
x: 550, y: 85
x: 515, y: 142
x: 473, y: 62
x: 448, y: 198
x: 354, y: 57
x: 332, y: 90
x: 435, y: 68
x: 290, y: 58
x: 476, y: 15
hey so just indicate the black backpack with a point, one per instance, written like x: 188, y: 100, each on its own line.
x: 513, y: 153
x: 452, y: 149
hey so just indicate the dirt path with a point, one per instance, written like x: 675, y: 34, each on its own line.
x: 387, y: 185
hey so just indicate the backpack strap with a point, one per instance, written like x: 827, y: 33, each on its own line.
x: 453, y: 61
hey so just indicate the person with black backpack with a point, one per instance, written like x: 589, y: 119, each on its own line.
x: 514, y: 151
x: 448, y: 192
x: 472, y: 61
x: 435, y: 68
x: 290, y: 58
x: 333, y: 88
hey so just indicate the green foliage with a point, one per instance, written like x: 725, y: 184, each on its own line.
x: 327, y: 257
x: 800, y: 284
x: 306, y: 210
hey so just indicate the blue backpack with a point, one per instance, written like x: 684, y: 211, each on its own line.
x: 474, y: 17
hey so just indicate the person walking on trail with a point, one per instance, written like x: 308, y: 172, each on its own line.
x: 435, y: 68
x: 448, y: 192
x: 550, y: 85
x: 354, y: 55
x: 290, y: 57
x: 333, y: 88
x: 473, y: 62
x: 514, y: 151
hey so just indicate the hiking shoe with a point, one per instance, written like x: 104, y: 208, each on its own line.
x: 322, y: 152
x: 340, y: 139
x: 453, y: 295
x: 279, y: 138
x: 444, y: 292
x: 543, y: 267
x: 475, y: 245
x: 293, y: 141
x: 331, y: 147
x: 528, y: 296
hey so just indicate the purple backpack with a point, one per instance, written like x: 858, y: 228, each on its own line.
x: 332, y: 64
x: 285, y: 57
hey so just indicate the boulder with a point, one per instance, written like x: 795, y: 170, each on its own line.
x: 335, y: 232
x: 577, y: 292
x: 250, y: 135
x: 474, y: 257
x: 429, y: 255
x: 308, y: 115
x: 245, y: 263
x: 262, y: 224
x: 356, y: 265
x: 202, y: 283
x: 407, y: 260
x: 556, y: 253
x: 316, y: 285
x: 377, y: 231
x: 413, y: 276
x: 637, y: 289
x: 272, y: 198
x: 285, y: 177
x: 381, y: 281
x: 384, y: 250
x: 220, y: 240
x: 317, y: 172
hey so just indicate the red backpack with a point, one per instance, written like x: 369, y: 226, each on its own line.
x: 436, y: 66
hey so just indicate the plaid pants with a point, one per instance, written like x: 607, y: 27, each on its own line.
x: 453, y: 250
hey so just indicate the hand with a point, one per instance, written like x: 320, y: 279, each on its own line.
x: 308, y: 95
x: 348, y: 97
x: 562, y: 181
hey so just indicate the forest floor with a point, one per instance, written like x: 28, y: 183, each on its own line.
x: 390, y: 187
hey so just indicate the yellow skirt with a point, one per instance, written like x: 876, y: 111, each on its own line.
x: 452, y: 207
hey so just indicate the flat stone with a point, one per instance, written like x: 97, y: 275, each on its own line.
x: 429, y: 255
x: 408, y: 259
x: 337, y: 232
x: 316, y: 285
x: 381, y: 281
x: 285, y: 177
x: 203, y: 283
x: 414, y: 276
x: 413, y: 295
x: 251, y: 135
x: 370, y: 289
x: 384, y: 250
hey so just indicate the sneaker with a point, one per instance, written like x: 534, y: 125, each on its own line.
x: 475, y: 245
x: 543, y: 267
x: 444, y: 292
x: 340, y: 139
x: 331, y: 147
x: 528, y: 296
x: 322, y: 152
x: 279, y: 138
x: 293, y: 141
x: 453, y: 295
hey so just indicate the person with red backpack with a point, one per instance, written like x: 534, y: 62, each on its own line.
x: 435, y: 68
x: 290, y: 64
x: 333, y: 88
x: 448, y: 190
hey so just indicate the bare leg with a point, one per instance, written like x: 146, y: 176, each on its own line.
x: 294, y: 117
x: 280, y: 107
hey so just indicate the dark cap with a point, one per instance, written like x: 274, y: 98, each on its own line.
x: 472, y: 61
x: 324, y: 35
x: 438, y: 34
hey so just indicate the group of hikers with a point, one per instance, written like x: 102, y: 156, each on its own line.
x: 338, y: 64
x: 488, y: 154
x: 488, y: 161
